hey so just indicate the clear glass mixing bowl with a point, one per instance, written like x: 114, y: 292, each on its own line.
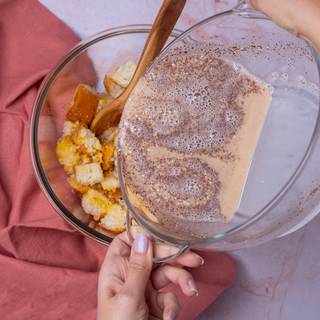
x: 87, y: 62
x: 283, y: 186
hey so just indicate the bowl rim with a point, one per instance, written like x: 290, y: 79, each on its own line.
x: 41, y: 178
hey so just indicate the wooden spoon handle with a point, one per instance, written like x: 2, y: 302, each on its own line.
x: 160, y: 32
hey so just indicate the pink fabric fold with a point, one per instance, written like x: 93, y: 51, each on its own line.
x: 48, y: 270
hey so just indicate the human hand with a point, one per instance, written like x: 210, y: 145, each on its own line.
x: 128, y: 286
x: 301, y: 17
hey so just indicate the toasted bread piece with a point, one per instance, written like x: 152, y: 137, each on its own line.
x: 95, y: 203
x: 115, y: 219
x: 89, y: 173
x: 111, y: 87
x: 124, y: 73
x: 84, y: 105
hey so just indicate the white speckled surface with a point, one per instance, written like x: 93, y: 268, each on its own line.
x: 276, y: 281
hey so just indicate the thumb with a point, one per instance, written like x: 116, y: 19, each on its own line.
x: 140, y: 266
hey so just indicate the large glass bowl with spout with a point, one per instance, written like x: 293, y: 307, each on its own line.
x: 282, y: 191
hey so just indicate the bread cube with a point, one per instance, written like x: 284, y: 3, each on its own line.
x: 84, y: 105
x: 123, y: 74
x: 95, y: 203
x: 89, y: 174
x: 110, y: 182
x: 111, y: 87
x: 115, y: 219
x: 66, y: 152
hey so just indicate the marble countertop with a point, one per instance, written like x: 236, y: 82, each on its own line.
x: 279, y: 280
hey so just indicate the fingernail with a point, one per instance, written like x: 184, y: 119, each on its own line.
x: 171, y: 314
x: 193, y: 287
x: 201, y: 260
x: 141, y: 243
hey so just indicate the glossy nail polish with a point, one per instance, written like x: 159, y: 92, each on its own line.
x: 141, y: 243
x: 193, y: 287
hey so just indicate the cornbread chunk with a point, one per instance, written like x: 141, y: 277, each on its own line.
x: 84, y: 104
x: 95, y: 203
x: 124, y: 73
x: 115, y: 219
x: 89, y: 174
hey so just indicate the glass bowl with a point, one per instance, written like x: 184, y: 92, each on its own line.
x: 87, y: 62
x: 281, y: 192
x: 282, y: 187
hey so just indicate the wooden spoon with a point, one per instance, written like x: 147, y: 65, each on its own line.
x: 160, y: 32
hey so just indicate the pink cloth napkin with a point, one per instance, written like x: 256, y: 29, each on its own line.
x: 47, y: 269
